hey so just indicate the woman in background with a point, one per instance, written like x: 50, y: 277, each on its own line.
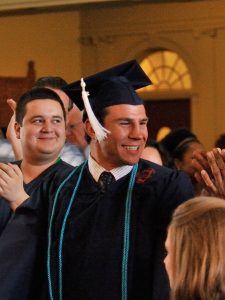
x: 178, y: 148
x: 195, y: 244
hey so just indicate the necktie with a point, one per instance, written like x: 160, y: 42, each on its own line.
x: 105, y: 179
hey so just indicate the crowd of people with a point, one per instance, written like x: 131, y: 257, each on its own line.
x: 98, y: 228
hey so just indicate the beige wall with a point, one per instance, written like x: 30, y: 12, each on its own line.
x: 196, y: 31
x: 71, y: 44
x: 51, y: 40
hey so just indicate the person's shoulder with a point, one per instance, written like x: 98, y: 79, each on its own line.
x: 66, y: 175
x: 63, y: 165
x: 158, y: 170
x: 161, y: 173
x: 72, y: 154
x: 4, y: 141
x: 169, y: 185
x: 6, y: 152
x: 71, y: 147
x: 59, y: 169
x: 57, y: 173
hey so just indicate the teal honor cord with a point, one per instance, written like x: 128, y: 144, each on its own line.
x: 126, y: 234
x: 49, y: 275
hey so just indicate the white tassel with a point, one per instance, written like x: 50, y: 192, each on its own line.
x: 100, y: 132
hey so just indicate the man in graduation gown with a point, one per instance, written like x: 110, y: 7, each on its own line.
x: 72, y: 152
x: 40, y: 126
x: 106, y: 236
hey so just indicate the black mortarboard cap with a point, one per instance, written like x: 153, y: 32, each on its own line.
x: 113, y: 86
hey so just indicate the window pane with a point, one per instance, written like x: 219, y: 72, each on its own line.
x: 167, y: 71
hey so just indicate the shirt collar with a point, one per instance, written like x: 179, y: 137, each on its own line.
x: 96, y: 170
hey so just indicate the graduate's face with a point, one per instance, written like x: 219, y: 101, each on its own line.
x: 42, y: 133
x: 125, y: 143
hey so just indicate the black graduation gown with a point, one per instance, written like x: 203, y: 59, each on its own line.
x: 5, y: 214
x: 93, y: 239
x: 23, y: 241
x: 5, y: 210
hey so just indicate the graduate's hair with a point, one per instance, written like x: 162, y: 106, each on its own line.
x: 198, y: 249
x: 32, y: 95
x: 54, y: 82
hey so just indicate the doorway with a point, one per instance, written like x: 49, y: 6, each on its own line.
x: 167, y: 113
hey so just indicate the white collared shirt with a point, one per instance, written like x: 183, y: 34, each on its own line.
x: 96, y: 170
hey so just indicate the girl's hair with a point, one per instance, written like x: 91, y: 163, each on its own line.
x: 198, y: 249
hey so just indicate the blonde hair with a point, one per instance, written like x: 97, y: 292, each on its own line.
x: 198, y: 249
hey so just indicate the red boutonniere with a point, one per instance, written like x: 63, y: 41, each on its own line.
x: 144, y: 175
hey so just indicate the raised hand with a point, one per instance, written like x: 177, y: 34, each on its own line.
x: 215, y: 184
x: 11, y: 185
x: 11, y: 134
x: 200, y: 162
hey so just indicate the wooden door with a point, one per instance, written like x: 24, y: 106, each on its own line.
x: 167, y: 113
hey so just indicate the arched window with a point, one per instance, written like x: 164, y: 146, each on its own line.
x: 167, y: 100
x: 167, y: 71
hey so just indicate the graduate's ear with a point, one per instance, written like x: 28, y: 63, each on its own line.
x: 17, y: 130
x: 89, y: 130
